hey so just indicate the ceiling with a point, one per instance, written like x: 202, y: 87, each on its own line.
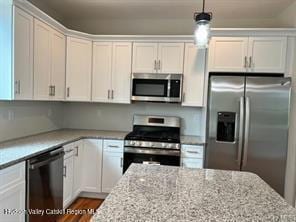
x: 163, y: 9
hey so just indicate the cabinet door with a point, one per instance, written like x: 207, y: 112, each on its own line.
x: 228, y: 54
x: 13, y: 198
x: 42, y: 60
x: 78, y: 73
x: 92, y: 165
x: 68, y: 181
x: 112, y: 170
x: 121, y: 72
x: 171, y: 58
x: 102, y: 71
x: 58, y: 65
x: 144, y: 57
x: 267, y: 54
x: 194, y: 76
x: 23, y: 55
x: 77, y: 165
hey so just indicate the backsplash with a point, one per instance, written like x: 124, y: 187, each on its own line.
x: 18, y: 119
x: 119, y: 116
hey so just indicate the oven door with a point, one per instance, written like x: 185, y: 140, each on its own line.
x: 150, y: 156
x: 156, y: 87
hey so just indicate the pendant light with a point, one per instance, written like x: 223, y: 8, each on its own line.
x: 202, y: 28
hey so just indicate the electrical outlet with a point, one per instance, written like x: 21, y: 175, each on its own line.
x: 11, y: 115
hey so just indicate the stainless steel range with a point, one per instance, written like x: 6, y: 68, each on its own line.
x: 154, y: 140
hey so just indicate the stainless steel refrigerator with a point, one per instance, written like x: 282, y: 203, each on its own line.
x: 248, y: 121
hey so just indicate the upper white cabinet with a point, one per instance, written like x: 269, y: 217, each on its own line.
x: 78, y: 69
x: 13, y: 192
x: 267, y: 54
x: 49, y: 62
x: 112, y: 164
x: 111, y: 72
x: 158, y: 58
x: 243, y: 54
x: 194, y: 76
x: 92, y: 165
x: 228, y: 54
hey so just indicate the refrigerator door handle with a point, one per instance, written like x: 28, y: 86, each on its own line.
x: 241, y: 130
x: 247, y: 131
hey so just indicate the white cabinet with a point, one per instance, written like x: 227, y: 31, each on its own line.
x: 194, y: 76
x: 192, y: 156
x: 244, y: 54
x: 111, y: 72
x: 77, y: 167
x: 49, y: 62
x: 112, y: 164
x: 68, y: 180
x: 170, y: 58
x: 158, y: 58
x: 23, y: 55
x: 78, y: 69
x: 92, y: 165
x: 228, y: 54
x: 13, y: 192
x: 267, y: 54
x: 145, y: 57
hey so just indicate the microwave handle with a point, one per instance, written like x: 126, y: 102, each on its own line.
x: 169, y: 88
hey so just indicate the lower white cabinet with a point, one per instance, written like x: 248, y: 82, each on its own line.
x: 13, y: 193
x: 192, y: 156
x: 68, y: 180
x: 92, y: 165
x: 112, y: 164
x: 77, y: 167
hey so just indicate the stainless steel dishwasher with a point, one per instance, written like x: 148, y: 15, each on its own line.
x: 45, y: 186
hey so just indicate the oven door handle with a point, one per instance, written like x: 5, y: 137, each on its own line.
x: 162, y: 152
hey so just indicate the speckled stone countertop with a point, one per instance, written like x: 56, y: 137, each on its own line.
x: 192, y: 140
x: 14, y: 151
x: 163, y: 193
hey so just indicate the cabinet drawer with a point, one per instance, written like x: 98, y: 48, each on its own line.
x: 191, y: 151
x: 113, y: 146
x: 12, y: 175
x: 192, y: 163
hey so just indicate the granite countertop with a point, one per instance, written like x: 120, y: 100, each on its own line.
x: 192, y: 140
x: 163, y: 193
x: 17, y: 150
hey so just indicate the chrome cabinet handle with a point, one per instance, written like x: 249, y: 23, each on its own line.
x: 113, y: 146
x: 241, y: 130
x: 108, y: 93
x: 246, y: 62
x: 192, y: 152
x: 250, y: 62
x: 77, y: 151
x: 155, y: 65
x: 112, y: 94
x: 53, y: 88
x: 121, y: 162
x: 247, y: 132
x: 16, y: 91
x: 68, y: 92
x: 65, y: 171
x: 183, y: 97
x: 159, y: 65
x: 50, y: 90
x: 69, y: 151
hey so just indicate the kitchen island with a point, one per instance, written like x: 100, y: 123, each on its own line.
x: 164, y: 193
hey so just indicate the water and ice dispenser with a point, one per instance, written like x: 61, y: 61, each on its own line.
x: 226, y: 127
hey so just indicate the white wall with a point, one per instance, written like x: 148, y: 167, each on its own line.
x: 119, y: 117
x: 18, y: 119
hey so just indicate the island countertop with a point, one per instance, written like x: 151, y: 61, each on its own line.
x: 164, y: 193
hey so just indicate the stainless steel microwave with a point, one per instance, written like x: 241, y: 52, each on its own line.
x: 157, y: 87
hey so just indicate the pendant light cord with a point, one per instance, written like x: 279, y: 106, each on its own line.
x: 203, y: 6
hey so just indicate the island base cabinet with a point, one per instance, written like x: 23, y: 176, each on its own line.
x: 112, y: 164
x: 13, y: 193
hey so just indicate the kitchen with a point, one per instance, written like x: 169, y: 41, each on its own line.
x: 81, y: 102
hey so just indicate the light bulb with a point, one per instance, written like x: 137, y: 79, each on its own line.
x: 202, y: 34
